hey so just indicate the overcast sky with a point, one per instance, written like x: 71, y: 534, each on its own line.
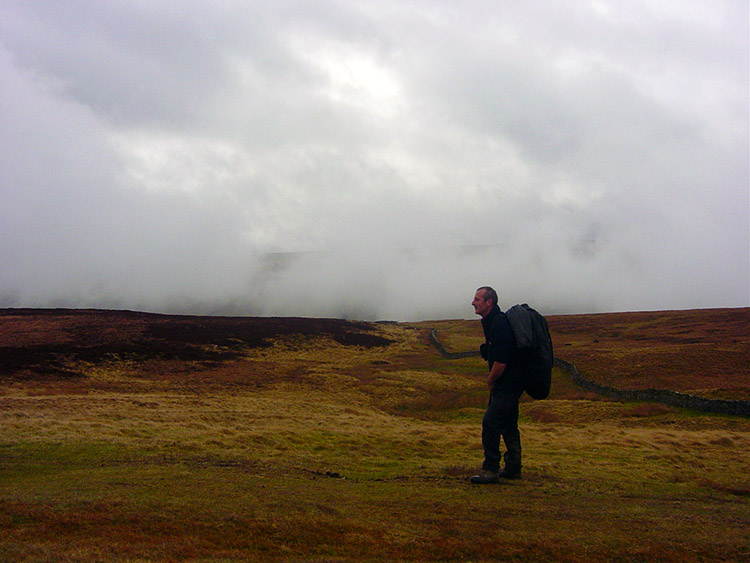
x: 374, y: 159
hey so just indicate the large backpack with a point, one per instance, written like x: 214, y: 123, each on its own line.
x: 534, y: 349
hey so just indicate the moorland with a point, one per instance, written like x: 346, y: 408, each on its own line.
x: 129, y: 436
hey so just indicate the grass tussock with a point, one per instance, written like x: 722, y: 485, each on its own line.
x: 331, y: 441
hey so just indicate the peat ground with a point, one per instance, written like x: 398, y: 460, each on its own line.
x: 136, y: 437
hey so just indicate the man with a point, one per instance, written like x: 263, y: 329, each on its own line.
x: 505, y: 384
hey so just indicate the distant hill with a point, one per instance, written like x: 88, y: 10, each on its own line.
x: 704, y: 352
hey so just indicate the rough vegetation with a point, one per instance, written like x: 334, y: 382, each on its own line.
x: 135, y: 437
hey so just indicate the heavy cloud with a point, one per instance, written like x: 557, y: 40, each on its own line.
x: 374, y: 159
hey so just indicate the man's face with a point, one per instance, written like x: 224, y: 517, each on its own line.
x: 481, y: 307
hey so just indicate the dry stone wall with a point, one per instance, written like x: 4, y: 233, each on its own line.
x: 664, y: 396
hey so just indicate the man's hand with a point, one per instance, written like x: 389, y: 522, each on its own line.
x: 495, y: 373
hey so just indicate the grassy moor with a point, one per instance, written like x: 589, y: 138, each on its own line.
x: 133, y: 437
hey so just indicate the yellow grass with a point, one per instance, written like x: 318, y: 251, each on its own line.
x: 313, y: 450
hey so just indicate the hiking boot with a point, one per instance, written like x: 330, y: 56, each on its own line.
x: 510, y: 473
x: 485, y: 477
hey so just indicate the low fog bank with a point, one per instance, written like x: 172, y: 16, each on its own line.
x: 405, y: 285
x: 154, y: 155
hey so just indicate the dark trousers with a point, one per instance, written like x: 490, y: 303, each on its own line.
x: 501, y: 421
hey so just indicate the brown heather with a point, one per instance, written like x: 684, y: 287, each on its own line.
x: 136, y: 437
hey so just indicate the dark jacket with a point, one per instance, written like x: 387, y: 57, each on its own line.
x: 500, y: 346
